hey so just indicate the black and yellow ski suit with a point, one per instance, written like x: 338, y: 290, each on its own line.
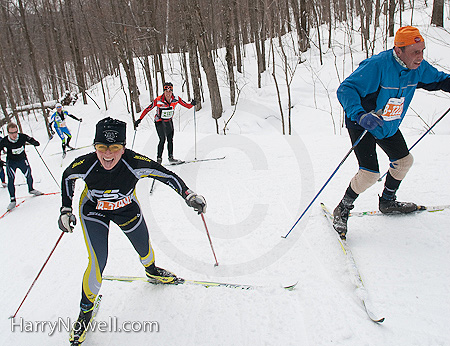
x: 109, y: 195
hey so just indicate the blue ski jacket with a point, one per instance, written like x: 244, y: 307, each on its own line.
x: 380, y: 78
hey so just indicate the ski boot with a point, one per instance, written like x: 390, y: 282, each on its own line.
x: 392, y: 206
x: 340, y: 218
x: 36, y: 192
x: 159, y: 160
x: 68, y: 145
x: 78, y: 333
x: 64, y: 150
x: 174, y: 161
x: 159, y: 275
x: 11, y: 205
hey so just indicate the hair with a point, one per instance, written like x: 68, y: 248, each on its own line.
x: 167, y: 84
x: 11, y: 126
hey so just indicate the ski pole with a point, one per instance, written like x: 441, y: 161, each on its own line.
x: 47, y: 144
x: 153, y: 186
x: 40, y: 271
x: 78, y: 131
x: 426, y: 132
x: 134, y: 137
x: 326, y: 183
x: 48, y: 169
x: 195, y: 137
x: 210, y: 242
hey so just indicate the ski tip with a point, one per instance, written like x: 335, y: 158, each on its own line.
x: 377, y: 320
x: 290, y: 287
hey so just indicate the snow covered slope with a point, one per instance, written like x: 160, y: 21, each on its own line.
x: 254, y: 197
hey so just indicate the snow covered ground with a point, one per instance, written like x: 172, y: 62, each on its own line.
x: 254, y: 197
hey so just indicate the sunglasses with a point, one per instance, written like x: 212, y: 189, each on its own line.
x: 14, y: 132
x: 168, y: 87
x: 112, y: 148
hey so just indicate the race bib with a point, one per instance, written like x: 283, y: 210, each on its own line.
x: 59, y: 121
x: 167, y: 113
x: 393, y: 109
x: 107, y: 205
x: 18, y: 150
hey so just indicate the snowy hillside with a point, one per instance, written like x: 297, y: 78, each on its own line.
x: 254, y: 197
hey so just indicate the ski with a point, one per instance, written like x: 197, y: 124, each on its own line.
x: 72, y: 149
x: 195, y: 161
x: 420, y: 208
x: 180, y: 281
x: 179, y: 162
x: 10, y: 210
x: 43, y: 194
x: 25, y: 183
x: 24, y: 199
x: 76, y: 340
x: 208, y: 159
x: 352, y: 266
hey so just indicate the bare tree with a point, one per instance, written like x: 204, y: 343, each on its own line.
x: 37, y: 79
x: 437, y: 17
x: 204, y: 47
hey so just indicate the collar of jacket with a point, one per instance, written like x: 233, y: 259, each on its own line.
x: 394, y: 54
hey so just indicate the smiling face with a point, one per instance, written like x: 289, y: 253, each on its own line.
x: 412, y: 55
x: 110, y: 157
x: 168, y: 91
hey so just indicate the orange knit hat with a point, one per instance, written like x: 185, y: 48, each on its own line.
x: 406, y: 36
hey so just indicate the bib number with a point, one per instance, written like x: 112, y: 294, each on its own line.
x: 167, y: 113
x: 393, y: 109
x: 18, y: 150
x: 107, y: 205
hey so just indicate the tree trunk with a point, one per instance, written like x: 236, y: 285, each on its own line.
x: 185, y: 72
x: 76, y: 51
x: 226, y: 18
x: 391, y: 19
x: 4, y: 105
x: 437, y: 17
x: 204, y: 47
x: 37, y: 79
x: 237, y: 43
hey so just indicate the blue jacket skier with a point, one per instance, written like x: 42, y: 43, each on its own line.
x: 58, y: 120
x: 375, y: 97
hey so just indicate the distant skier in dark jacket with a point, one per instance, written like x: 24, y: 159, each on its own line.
x: 17, y: 158
x: 375, y: 97
x: 2, y: 171
x: 111, y: 174
x: 165, y: 104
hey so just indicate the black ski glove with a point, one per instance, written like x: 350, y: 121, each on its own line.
x: 67, y: 220
x: 195, y: 201
x: 193, y: 102
x: 137, y: 122
x: 35, y: 142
